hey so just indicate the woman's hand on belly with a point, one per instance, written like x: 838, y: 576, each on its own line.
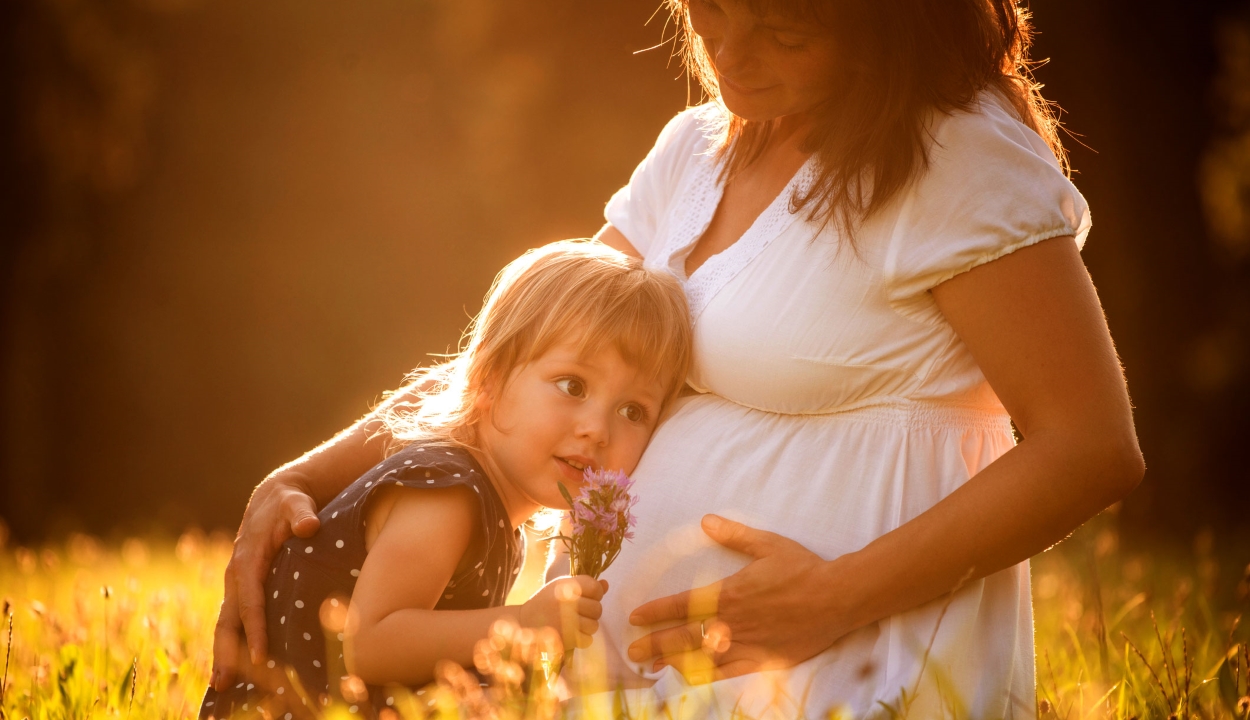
x: 775, y: 612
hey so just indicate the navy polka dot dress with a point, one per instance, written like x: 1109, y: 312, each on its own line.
x: 311, y: 579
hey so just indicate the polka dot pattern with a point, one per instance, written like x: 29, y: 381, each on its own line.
x: 326, y: 566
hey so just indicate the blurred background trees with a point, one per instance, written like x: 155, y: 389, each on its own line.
x: 229, y: 226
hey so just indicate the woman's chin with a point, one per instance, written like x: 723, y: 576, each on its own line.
x: 750, y: 110
x: 763, y: 107
x: 756, y: 109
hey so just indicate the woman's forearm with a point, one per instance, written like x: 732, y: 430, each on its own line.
x: 324, y: 471
x: 404, y: 646
x: 1034, y: 325
x: 1024, y: 502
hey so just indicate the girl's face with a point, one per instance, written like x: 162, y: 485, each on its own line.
x: 560, y: 414
x: 767, y: 67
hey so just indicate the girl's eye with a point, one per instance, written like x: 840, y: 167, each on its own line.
x: 632, y: 413
x: 572, y: 386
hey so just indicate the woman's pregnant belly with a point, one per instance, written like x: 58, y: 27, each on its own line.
x: 831, y: 482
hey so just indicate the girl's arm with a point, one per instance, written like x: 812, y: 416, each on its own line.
x: 1034, y: 325
x: 393, y: 634
x: 286, y: 503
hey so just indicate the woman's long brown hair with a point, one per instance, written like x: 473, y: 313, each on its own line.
x: 899, y: 63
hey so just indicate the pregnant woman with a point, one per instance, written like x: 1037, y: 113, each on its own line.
x: 880, y: 248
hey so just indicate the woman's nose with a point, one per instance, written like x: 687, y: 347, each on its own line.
x: 732, y: 52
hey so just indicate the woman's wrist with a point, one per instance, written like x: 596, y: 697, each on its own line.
x: 316, y: 475
x: 287, y: 479
x: 844, y: 605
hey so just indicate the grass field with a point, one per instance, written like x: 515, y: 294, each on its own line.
x: 125, y: 631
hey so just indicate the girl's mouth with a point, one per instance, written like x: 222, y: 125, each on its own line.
x: 573, y: 467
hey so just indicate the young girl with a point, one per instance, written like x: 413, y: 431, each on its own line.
x: 570, y: 363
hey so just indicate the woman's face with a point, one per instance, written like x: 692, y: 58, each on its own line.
x: 767, y: 66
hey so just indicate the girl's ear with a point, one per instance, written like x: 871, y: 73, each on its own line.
x: 484, y: 398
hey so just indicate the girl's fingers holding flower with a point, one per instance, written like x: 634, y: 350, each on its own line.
x: 588, y: 608
x: 587, y: 626
x: 566, y: 589
x: 588, y: 587
x: 583, y: 640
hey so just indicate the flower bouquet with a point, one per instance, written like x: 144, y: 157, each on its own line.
x: 599, y: 519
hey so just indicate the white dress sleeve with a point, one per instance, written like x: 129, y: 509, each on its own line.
x: 638, y: 208
x: 992, y: 187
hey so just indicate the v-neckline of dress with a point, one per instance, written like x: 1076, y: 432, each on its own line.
x: 694, y: 213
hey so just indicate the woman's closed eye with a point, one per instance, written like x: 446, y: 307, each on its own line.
x: 788, y: 41
x: 572, y: 386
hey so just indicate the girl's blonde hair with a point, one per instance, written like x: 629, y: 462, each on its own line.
x: 577, y: 290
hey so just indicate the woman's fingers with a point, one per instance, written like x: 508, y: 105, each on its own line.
x: 226, y: 641
x: 695, y: 666
x: 701, y: 666
x: 669, y: 641
x: 300, y: 512
x: 687, y: 605
x: 276, y: 510
x: 736, y: 668
x: 742, y: 538
x: 670, y: 607
x: 249, y: 578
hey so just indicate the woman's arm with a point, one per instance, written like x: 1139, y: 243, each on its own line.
x: 285, y: 503
x: 417, y: 539
x: 615, y: 239
x: 1034, y: 325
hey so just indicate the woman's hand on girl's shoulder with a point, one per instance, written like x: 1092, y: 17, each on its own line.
x: 570, y: 605
x: 279, y: 508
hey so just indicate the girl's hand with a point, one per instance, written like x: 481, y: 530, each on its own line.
x: 775, y: 612
x: 279, y: 508
x: 568, y: 604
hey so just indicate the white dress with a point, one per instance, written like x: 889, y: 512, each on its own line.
x: 835, y: 404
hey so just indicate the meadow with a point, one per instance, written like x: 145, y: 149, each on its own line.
x: 104, y: 630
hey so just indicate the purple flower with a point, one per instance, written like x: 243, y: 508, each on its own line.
x: 600, y: 520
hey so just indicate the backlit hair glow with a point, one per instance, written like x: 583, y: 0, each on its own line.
x: 577, y: 290
x: 898, y: 63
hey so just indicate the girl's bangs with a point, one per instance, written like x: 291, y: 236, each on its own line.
x: 649, y: 334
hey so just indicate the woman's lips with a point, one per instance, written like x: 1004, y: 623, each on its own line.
x: 740, y: 89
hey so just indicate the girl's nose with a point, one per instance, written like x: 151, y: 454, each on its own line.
x: 594, y: 425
